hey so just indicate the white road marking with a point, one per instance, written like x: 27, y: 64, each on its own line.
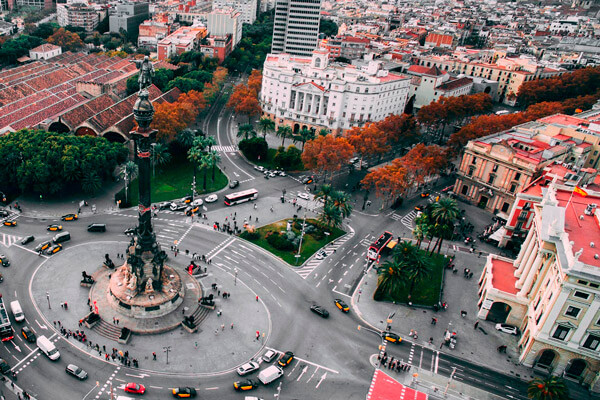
x: 321, y: 380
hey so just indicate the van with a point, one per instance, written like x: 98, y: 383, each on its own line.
x: 17, y: 311
x: 270, y: 374
x: 48, y: 348
x: 61, y: 237
x: 96, y: 228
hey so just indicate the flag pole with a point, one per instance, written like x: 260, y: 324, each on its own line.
x: 573, y: 192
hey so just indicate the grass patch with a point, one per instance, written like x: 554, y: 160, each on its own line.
x: 427, y: 292
x: 310, y: 243
x: 174, y: 180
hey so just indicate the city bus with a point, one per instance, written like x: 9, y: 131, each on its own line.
x: 240, y: 197
x: 6, y: 330
x: 376, y: 248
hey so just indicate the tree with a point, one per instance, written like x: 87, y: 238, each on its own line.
x: 265, y: 125
x: 305, y: 135
x: 196, y: 152
x: 215, y: 160
x: 558, y: 88
x: 327, y: 153
x: 422, y: 228
x: 323, y: 132
x: 69, y: 41
x: 284, y: 131
x: 390, y: 280
x: 255, y: 148
x: 171, y: 118
x: 255, y: 80
x: 246, y: 130
x: 399, y: 129
x: 186, y: 138
x: 548, y: 388
x: 91, y: 183
x: 324, y: 192
x: 444, y: 214
x: 14, y: 48
x: 128, y: 172
x: 194, y: 100
x: 185, y: 84
x: 389, y: 182
x: 328, y: 27
x: 244, y: 100
x: 45, y: 30
x: 160, y: 155
x: 368, y: 141
x: 341, y: 200
x: 331, y: 216
x: 423, y: 161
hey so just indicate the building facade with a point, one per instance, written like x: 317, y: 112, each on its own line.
x: 77, y: 14
x: 129, y: 16
x: 45, y: 52
x: 184, y: 39
x: 226, y: 21
x: 310, y: 92
x: 296, y: 27
x: 151, y: 32
x: 247, y: 8
x: 349, y: 47
x: 551, y: 292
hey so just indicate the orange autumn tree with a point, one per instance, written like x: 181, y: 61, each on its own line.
x: 389, y: 182
x: 255, y: 80
x: 399, y: 129
x: 66, y: 39
x: 369, y: 140
x: 424, y: 161
x: 194, y: 99
x: 244, y: 100
x: 327, y: 154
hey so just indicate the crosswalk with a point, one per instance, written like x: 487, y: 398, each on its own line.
x: 225, y: 149
x: 408, y: 219
x: 9, y: 240
x: 313, y: 263
x: 396, y: 217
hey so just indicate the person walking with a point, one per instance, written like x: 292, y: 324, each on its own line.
x: 256, y: 297
x: 153, y: 356
x: 476, y: 325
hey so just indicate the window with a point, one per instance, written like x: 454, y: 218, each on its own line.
x: 505, y: 207
x: 594, y: 285
x: 513, y: 187
x: 561, y: 332
x: 465, y: 190
x: 517, y: 176
x: 491, y: 179
x: 581, y: 295
x: 471, y: 171
x: 592, y: 342
x: 473, y: 160
x: 582, y: 282
x: 572, y: 311
x: 495, y: 168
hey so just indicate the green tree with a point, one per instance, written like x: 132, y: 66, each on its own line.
x: 284, y: 131
x: 215, y: 159
x: 185, y: 84
x: 331, y: 216
x: 306, y: 135
x: 91, y: 183
x: 324, y: 132
x: 246, y: 130
x: 160, y: 155
x: 444, y: 214
x: 266, y: 125
x: 548, y: 388
x: 391, y: 280
x: 254, y: 148
x: 341, y: 200
x: 328, y: 27
x: 186, y: 138
x: 196, y: 152
x: 324, y: 192
x: 128, y: 172
x: 422, y: 229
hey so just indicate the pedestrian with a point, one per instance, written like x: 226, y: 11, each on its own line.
x: 117, y: 321
x: 114, y: 320
x: 256, y: 297
x: 476, y: 325
x: 216, y: 331
x: 153, y: 356
x: 433, y: 321
x: 430, y: 340
x: 479, y: 256
x: 232, y: 325
x: 222, y: 327
x: 255, y: 206
x: 218, y: 293
x: 257, y: 335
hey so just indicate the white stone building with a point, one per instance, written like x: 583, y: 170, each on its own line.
x: 222, y: 22
x: 314, y: 93
x: 45, y: 52
x: 246, y: 7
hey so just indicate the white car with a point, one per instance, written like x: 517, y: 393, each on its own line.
x: 270, y: 355
x: 197, y: 202
x: 513, y: 330
x: 211, y: 199
x: 247, y: 368
x: 272, y: 174
x: 304, y: 196
x: 282, y: 173
x: 321, y: 255
x: 259, y: 168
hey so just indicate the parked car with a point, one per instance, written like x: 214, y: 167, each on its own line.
x: 286, y: 359
x: 164, y: 205
x: 510, y: 329
x: 77, y: 372
x: 339, y: 303
x: 273, y: 174
x: 27, y: 239
x: 317, y: 309
x: 259, y: 168
x: 247, y: 368
x: 282, y: 173
x: 321, y: 255
x: 69, y: 217
x: 211, y: 199
x: 234, y: 184
x: 270, y: 355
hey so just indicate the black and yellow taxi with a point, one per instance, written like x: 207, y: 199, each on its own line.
x: 70, y: 217
x: 184, y: 392
x: 339, y: 303
x: 54, y: 227
x: 10, y: 222
x: 28, y: 334
x: 246, y: 384
x: 186, y: 200
x: 419, y: 207
x: 425, y: 195
x: 192, y: 210
x: 54, y: 249
x: 43, y: 246
x: 391, y: 337
x: 4, y: 261
x: 285, y: 359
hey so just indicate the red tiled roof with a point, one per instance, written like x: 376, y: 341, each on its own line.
x: 455, y: 84
x: 45, y: 48
x: 562, y: 119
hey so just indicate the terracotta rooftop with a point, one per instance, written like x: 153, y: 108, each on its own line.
x: 44, y: 48
x: 455, y: 84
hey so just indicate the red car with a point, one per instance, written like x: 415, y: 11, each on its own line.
x: 135, y: 388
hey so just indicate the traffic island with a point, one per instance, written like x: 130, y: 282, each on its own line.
x: 283, y: 238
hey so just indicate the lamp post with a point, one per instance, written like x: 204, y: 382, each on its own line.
x: 301, y: 238
x: 167, y: 349
x: 48, y: 298
x: 235, y: 277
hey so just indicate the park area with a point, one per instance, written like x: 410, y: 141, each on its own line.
x: 175, y: 181
x: 276, y: 239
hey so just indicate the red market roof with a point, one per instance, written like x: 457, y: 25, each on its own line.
x: 384, y: 387
x: 503, y: 277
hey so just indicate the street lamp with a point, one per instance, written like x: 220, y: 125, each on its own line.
x: 167, y: 349
x: 301, y: 237
x: 48, y: 298
x: 235, y: 277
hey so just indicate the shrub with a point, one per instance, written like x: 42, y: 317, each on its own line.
x: 250, y: 235
x: 279, y: 242
x: 289, y: 159
x: 254, y: 148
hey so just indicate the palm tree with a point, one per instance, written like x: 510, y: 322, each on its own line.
x: 341, y: 200
x: 186, y: 138
x: 266, y: 125
x: 206, y: 162
x: 324, y: 192
x: 245, y: 130
x: 331, y: 216
x: 128, y: 172
x: 215, y: 160
x: 443, y: 214
x: 391, y: 280
x: 549, y: 388
x: 418, y: 269
x: 210, y: 141
x: 305, y: 135
x: 284, y: 131
x: 323, y: 132
x: 422, y: 229
x: 91, y: 183
x: 160, y: 155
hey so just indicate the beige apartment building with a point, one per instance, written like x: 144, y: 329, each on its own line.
x: 551, y: 291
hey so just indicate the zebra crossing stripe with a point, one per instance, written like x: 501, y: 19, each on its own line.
x: 225, y: 149
x: 9, y: 240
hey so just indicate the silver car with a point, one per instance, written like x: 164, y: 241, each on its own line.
x: 77, y: 372
x: 247, y: 368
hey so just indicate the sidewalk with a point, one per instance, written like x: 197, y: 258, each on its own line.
x: 461, y: 295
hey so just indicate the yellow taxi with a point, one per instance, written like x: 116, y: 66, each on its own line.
x: 192, y: 210
x: 54, y: 249
x: 43, y: 246
x: 184, y: 392
x: 391, y: 337
x: 70, y: 217
x: 246, y: 384
x: 11, y: 222
x: 54, y: 227
x: 339, y: 303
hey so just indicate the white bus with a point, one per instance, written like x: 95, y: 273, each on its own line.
x: 240, y: 197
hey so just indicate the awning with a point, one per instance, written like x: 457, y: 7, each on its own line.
x: 498, y: 235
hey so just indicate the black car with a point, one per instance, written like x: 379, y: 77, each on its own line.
x: 96, y: 228
x: 319, y: 311
x: 4, y: 213
x: 69, y: 217
x: 129, y: 231
x: 164, y: 205
x: 234, y: 184
x: 28, y: 239
x: 28, y: 334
